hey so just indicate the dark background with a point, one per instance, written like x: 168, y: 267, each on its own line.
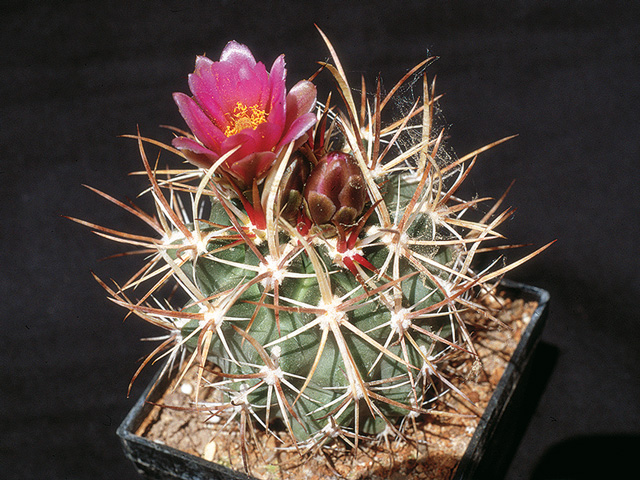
x: 562, y: 75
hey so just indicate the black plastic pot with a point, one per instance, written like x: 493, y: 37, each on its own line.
x: 486, y: 457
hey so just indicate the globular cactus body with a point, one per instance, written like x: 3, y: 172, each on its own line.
x: 328, y: 367
x: 328, y: 277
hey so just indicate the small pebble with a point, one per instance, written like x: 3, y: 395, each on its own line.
x: 215, y: 419
x: 209, y: 451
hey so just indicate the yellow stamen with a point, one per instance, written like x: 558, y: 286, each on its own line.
x: 244, y: 117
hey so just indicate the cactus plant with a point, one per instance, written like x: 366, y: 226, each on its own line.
x: 323, y: 255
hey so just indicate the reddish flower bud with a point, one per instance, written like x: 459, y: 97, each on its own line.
x: 295, y: 177
x: 335, y: 191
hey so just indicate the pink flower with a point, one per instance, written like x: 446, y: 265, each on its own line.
x: 236, y: 102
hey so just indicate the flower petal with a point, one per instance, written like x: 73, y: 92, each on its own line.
x: 201, y: 125
x: 245, y: 141
x: 266, y: 135
x: 253, y: 166
x: 235, y: 52
x: 277, y: 92
x: 300, y: 100
x: 248, y: 162
x: 203, y: 85
x: 237, y: 78
x: 244, y: 84
x: 298, y: 128
x: 196, y: 154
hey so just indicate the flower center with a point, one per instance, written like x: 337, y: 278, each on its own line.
x: 244, y: 117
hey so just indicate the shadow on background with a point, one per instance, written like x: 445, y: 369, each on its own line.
x: 590, y: 457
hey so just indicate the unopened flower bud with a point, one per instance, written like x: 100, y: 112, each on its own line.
x: 295, y: 177
x: 335, y: 192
